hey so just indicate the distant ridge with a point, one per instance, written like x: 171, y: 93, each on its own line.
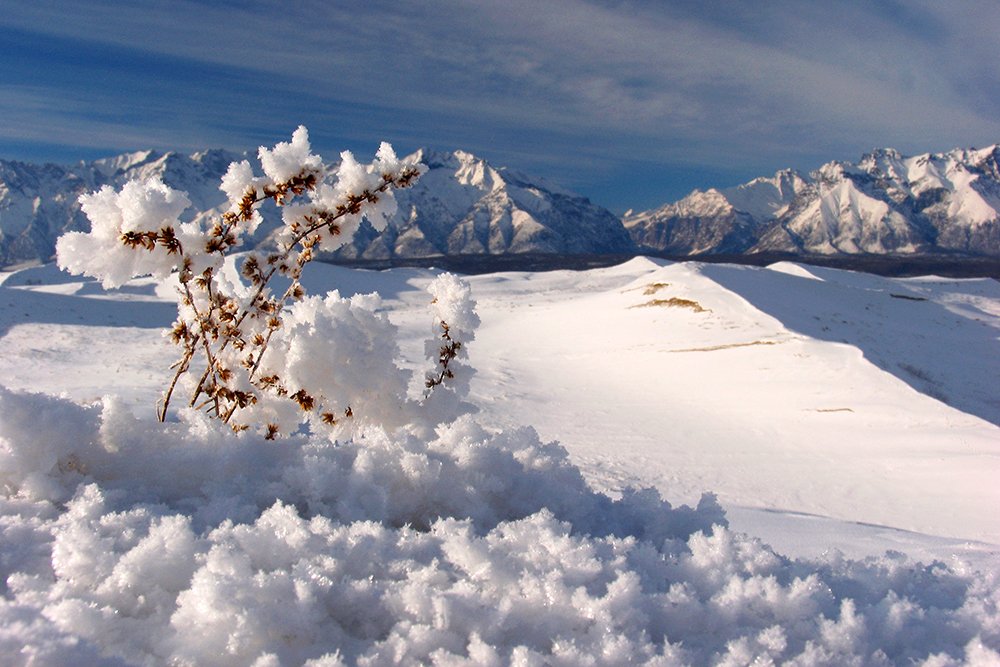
x: 886, y: 203
x: 39, y: 202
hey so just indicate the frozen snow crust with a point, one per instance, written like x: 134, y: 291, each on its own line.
x: 132, y: 542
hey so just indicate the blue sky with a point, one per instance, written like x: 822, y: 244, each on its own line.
x: 630, y: 103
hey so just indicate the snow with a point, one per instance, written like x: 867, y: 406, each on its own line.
x: 843, y: 219
x: 463, y: 205
x: 762, y: 198
x: 779, y: 377
x: 109, y: 167
x: 766, y: 198
x: 138, y: 207
x: 970, y: 206
x: 288, y: 159
x: 844, y: 426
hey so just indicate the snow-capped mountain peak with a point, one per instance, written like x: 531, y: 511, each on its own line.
x: 120, y: 164
x: 887, y: 202
x: 463, y: 205
x: 765, y: 198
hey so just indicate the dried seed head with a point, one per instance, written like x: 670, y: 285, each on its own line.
x: 170, y: 241
x: 214, y: 244
x: 305, y: 401
x: 180, y: 332
x: 136, y: 239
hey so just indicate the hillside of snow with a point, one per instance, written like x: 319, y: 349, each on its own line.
x: 673, y: 464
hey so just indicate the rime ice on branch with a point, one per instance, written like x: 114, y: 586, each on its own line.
x: 252, y: 356
x: 455, y: 324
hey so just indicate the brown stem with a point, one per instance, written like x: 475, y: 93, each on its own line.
x: 446, y: 354
x: 202, y: 320
x: 201, y: 385
x: 326, y: 222
x: 161, y: 413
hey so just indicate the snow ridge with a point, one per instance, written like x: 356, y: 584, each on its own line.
x: 125, y: 541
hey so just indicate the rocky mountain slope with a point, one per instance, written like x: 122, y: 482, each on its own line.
x: 462, y: 205
x: 465, y: 206
x: 886, y: 203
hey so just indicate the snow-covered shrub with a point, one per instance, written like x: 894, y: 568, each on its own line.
x: 253, y: 359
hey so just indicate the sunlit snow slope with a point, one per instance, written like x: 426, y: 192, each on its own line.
x: 826, y: 409
x: 815, y: 393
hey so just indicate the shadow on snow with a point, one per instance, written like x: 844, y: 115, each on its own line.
x: 902, y: 326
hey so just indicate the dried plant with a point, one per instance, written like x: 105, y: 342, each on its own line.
x: 455, y: 324
x: 228, y: 321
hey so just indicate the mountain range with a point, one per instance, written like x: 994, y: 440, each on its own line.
x: 886, y: 203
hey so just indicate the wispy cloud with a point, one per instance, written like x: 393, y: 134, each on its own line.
x: 605, y: 84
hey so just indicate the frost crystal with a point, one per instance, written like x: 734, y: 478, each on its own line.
x: 286, y: 160
x: 387, y: 548
x: 141, y: 206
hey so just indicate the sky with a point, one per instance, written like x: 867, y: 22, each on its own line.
x: 632, y: 104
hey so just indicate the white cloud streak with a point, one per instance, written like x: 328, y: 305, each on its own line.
x: 677, y: 82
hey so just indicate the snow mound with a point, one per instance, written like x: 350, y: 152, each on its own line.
x: 127, y: 542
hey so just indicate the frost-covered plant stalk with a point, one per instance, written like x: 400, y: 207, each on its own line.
x: 455, y: 321
x: 253, y: 356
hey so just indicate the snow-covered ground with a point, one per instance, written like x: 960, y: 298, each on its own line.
x: 835, y: 416
x: 848, y: 403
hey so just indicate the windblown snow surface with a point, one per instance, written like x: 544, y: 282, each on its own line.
x: 786, y: 465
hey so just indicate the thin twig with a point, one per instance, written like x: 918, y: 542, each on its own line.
x: 185, y: 362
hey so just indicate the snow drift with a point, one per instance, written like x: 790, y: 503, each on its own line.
x: 128, y: 542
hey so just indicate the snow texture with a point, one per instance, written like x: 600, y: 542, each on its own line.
x: 884, y: 204
x: 140, y: 206
x: 289, y: 159
x: 187, y: 544
x: 344, y: 352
